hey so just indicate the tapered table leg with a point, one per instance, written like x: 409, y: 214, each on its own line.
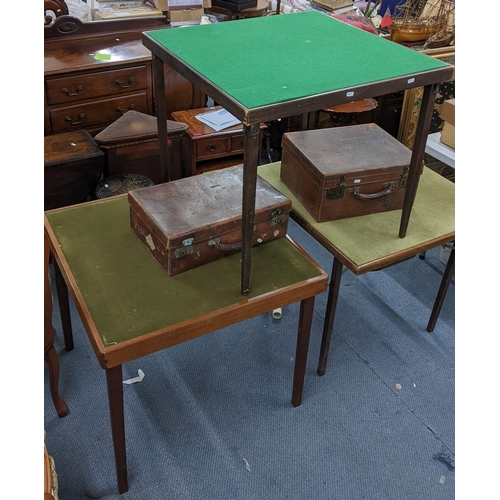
x: 443, y: 288
x: 331, y: 306
x: 115, y: 397
x: 63, y: 298
x: 303, y: 335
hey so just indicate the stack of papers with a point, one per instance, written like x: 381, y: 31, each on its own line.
x: 218, y: 119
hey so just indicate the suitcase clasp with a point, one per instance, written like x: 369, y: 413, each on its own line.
x: 404, y: 177
x: 276, y: 218
x: 337, y: 192
x: 186, y: 248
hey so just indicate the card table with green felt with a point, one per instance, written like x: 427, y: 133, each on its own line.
x: 272, y: 67
x: 366, y: 243
x: 130, y: 307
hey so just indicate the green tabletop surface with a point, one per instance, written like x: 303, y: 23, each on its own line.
x: 368, y: 239
x: 274, y: 59
x: 128, y: 294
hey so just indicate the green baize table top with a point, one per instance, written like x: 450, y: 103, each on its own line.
x: 370, y: 238
x: 129, y: 295
x: 274, y: 59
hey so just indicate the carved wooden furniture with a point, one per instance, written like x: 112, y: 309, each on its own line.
x: 50, y: 354
x: 204, y: 149
x: 94, y: 236
x: 131, y: 145
x: 366, y: 243
x: 58, y: 7
x: 73, y: 164
x: 95, y: 72
x: 297, y: 84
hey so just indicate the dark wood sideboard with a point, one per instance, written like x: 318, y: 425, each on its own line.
x: 85, y: 91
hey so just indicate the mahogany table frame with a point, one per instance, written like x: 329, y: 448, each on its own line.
x: 343, y: 258
x: 252, y: 117
x: 111, y: 357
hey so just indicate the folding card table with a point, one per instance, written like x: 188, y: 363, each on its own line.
x: 130, y: 307
x: 366, y: 243
x: 273, y: 67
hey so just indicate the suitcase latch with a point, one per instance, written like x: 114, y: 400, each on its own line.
x: 187, y: 248
x: 277, y: 217
x: 404, y: 177
x: 337, y: 192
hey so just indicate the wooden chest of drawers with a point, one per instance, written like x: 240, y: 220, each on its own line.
x: 93, y: 99
x: 93, y: 75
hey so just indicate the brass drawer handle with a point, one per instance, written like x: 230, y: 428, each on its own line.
x: 120, y: 109
x: 81, y: 116
x: 131, y: 80
x: 212, y: 147
x: 78, y: 89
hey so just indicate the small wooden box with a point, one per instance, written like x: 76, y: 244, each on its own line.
x: 132, y: 147
x: 196, y: 220
x: 73, y: 165
x: 345, y: 171
x: 448, y: 115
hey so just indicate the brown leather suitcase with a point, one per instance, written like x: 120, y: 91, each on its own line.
x: 196, y: 220
x: 344, y: 172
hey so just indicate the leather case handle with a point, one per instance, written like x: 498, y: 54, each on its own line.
x: 383, y: 192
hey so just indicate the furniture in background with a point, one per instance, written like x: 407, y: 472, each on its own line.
x: 259, y: 10
x: 366, y: 243
x: 439, y: 150
x: 94, y: 72
x: 50, y: 354
x: 166, y: 310
x: 297, y: 83
x: 204, y: 149
x: 73, y: 164
x: 131, y: 146
x: 350, y: 113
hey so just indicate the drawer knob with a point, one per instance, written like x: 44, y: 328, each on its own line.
x: 130, y: 82
x: 212, y: 147
x: 120, y: 109
x: 81, y: 116
x: 78, y: 89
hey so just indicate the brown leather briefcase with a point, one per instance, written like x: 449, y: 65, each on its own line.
x: 345, y: 171
x: 196, y: 220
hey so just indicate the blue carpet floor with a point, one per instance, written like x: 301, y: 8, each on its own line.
x: 212, y: 418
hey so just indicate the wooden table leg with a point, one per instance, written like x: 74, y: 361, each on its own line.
x: 251, y: 159
x: 417, y: 157
x: 443, y: 288
x: 303, y: 335
x: 115, y: 397
x: 63, y: 298
x: 331, y: 306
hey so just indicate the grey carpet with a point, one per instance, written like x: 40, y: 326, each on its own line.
x: 212, y: 418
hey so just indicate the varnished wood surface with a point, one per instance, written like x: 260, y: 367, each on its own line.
x: 198, y: 129
x: 71, y: 56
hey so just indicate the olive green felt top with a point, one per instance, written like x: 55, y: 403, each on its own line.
x: 370, y: 238
x: 128, y: 294
x: 274, y: 59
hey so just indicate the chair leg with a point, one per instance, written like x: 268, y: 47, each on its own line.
x: 52, y: 361
x: 443, y: 288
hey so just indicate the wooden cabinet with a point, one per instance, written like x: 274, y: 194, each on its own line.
x: 204, y: 149
x: 96, y: 72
